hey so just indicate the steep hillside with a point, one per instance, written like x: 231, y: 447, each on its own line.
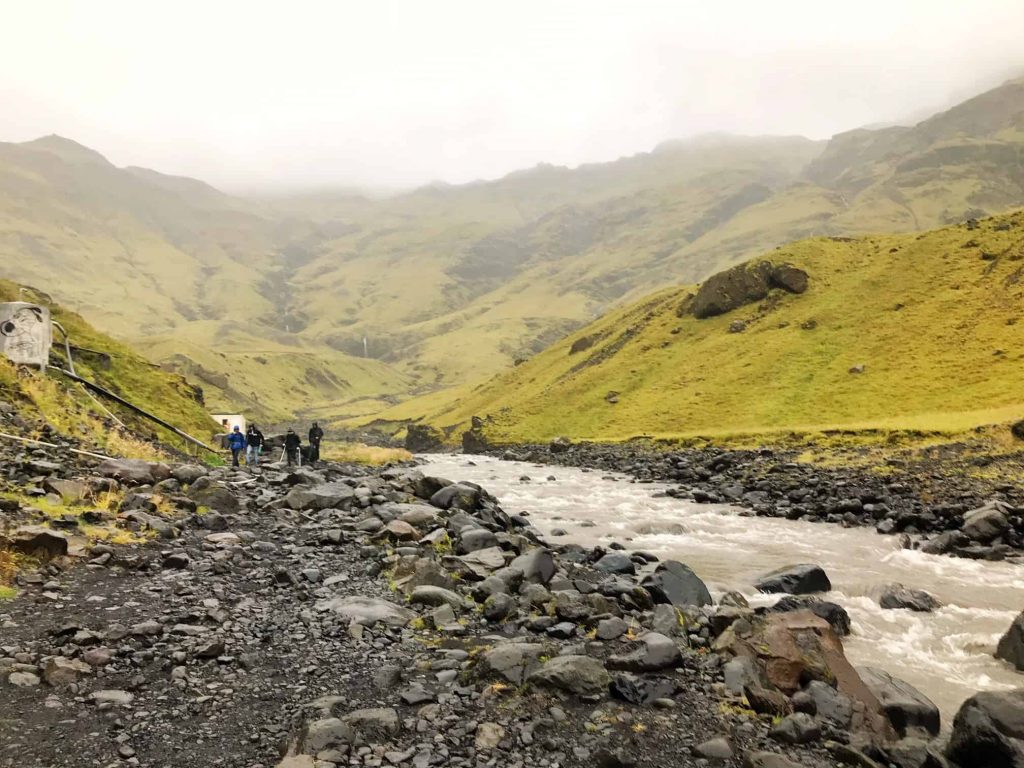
x: 336, y: 304
x: 906, y: 331
x: 49, y: 404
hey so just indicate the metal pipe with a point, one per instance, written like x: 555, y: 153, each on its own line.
x: 135, y: 408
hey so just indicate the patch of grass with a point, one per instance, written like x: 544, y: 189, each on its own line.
x: 358, y: 453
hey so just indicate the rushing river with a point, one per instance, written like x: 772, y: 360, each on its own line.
x: 946, y: 654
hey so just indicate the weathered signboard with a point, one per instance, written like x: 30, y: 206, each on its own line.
x: 26, y: 333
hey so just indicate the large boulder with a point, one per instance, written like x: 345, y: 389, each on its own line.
x: 134, y: 471
x: 988, y: 731
x: 792, y: 649
x: 1011, y: 645
x: 581, y: 675
x: 423, y: 438
x: 368, y: 610
x: 1017, y: 429
x: 323, y: 496
x: 37, y: 541
x: 800, y: 579
x: 213, y: 495
x: 537, y: 566
x: 896, y: 596
x: 986, y: 523
x: 473, y: 441
x: 658, y: 652
x: 745, y: 284
x: 675, y: 584
x: 907, y: 708
x: 513, y: 662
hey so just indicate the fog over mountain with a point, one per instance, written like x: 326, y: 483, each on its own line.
x: 259, y: 97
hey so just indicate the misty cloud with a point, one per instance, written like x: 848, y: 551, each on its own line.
x: 251, y: 95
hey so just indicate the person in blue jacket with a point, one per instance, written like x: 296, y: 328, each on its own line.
x: 236, y: 442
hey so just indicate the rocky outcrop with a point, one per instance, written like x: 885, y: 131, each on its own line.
x: 745, y: 284
x: 423, y: 438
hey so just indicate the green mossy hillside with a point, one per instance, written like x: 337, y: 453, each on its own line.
x: 917, y: 331
x: 65, y: 406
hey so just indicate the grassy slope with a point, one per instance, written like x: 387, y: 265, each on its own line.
x: 949, y: 359
x: 66, y: 407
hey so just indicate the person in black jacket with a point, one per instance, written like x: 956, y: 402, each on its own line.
x: 291, y: 447
x: 315, y: 436
x: 253, y: 445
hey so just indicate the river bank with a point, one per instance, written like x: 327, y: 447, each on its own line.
x: 946, y: 501
x: 343, y: 615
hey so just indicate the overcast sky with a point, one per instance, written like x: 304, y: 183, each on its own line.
x: 258, y: 95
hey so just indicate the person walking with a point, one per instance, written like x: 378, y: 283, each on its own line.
x: 291, y: 447
x: 315, y: 436
x: 236, y: 442
x: 253, y: 445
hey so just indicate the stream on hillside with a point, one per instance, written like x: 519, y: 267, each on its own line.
x: 946, y: 654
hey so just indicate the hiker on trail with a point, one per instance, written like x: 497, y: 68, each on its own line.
x: 291, y: 447
x: 236, y: 442
x: 253, y: 445
x: 315, y: 436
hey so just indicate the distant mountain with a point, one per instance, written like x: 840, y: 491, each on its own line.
x: 404, y: 294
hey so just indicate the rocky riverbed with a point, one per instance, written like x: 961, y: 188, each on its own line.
x: 351, y: 616
x: 943, y: 503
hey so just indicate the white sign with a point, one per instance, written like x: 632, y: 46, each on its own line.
x: 25, y: 333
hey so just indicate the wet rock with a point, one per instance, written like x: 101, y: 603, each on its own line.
x: 674, y: 583
x: 830, y: 704
x: 896, y: 596
x: 795, y: 580
x: 537, y: 566
x: 616, y: 562
x: 1011, y: 645
x: 986, y: 523
x: 610, y: 629
x: 907, y: 708
x: 833, y: 613
x: 368, y: 610
x: 766, y: 702
x: 580, y: 675
x: 798, y: 728
x: 988, y: 731
x: 658, y: 652
x: 476, y: 539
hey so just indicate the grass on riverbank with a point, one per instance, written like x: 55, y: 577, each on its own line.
x: 358, y: 453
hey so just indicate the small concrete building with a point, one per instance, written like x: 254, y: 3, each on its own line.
x: 26, y: 333
x: 229, y: 421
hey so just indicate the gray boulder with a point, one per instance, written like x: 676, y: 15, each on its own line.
x: 800, y: 579
x: 798, y: 728
x: 988, y: 731
x: 907, y: 708
x: 986, y: 523
x: 513, y: 662
x: 897, y: 596
x: 1011, y: 645
x: 537, y: 566
x: 434, y: 596
x: 323, y: 496
x: 616, y: 562
x: 368, y: 610
x: 580, y: 675
x: 674, y: 583
x: 134, y: 471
